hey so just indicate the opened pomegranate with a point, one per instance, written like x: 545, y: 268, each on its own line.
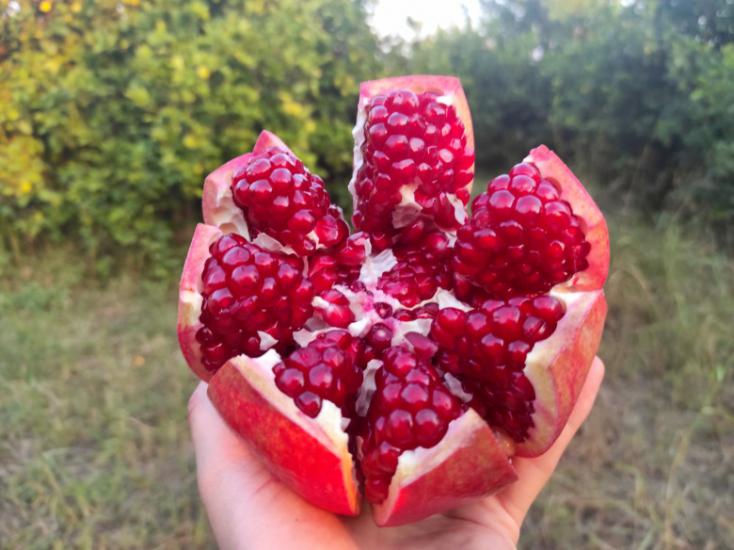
x: 410, y: 360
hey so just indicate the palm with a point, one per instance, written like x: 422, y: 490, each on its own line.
x: 248, y: 508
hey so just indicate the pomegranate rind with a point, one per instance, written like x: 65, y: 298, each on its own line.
x: 218, y: 207
x: 190, y: 298
x: 470, y: 461
x: 557, y: 367
x: 448, y: 87
x: 308, y: 455
x: 596, y: 231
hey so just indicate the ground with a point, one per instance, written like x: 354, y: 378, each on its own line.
x: 95, y: 450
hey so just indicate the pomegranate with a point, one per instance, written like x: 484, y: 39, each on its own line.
x: 410, y: 360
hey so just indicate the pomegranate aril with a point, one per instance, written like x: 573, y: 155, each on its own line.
x: 309, y: 403
x: 290, y: 381
x: 383, y: 310
x: 424, y: 347
x: 379, y: 336
x: 334, y: 309
x: 428, y: 428
x: 399, y: 429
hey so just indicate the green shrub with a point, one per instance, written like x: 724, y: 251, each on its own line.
x: 112, y: 113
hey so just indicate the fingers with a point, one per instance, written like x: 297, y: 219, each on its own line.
x: 533, y: 473
x: 226, y: 471
x: 216, y: 445
x: 246, y: 505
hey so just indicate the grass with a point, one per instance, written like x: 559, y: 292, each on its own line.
x: 95, y: 451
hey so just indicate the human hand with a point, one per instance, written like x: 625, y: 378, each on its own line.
x: 249, y: 508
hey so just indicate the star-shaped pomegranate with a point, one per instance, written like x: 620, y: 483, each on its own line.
x: 408, y: 361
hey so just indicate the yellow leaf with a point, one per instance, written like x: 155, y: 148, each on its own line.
x: 190, y: 141
x: 45, y: 6
x: 203, y: 72
x: 177, y: 62
x: 25, y: 127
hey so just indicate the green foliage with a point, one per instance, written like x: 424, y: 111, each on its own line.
x: 111, y: 113
x: 637, y: 96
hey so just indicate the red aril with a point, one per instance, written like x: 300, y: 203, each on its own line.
x: 411, y: 360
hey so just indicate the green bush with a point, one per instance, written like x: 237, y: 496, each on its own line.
x: 637, y: 96
x: 112, y: 113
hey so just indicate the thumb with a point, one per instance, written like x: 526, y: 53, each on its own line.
x: 534, y: 473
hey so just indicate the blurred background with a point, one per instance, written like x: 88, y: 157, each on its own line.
x: 113, y: 111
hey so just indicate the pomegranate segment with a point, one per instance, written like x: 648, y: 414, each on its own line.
x: 594, y: 225
x: 522, y: 238
x: 328, y: 368
x: 310, y: 455
x: 487, y: 348
x: 280, y: 197
x: 252, y: 299
x: 432, y: 345
x: 557, y: 367
x: 410, y: 408
x: 217, y: 204
x: 470, y: 461
x: 190, y: 298
x: 270, y: 191
x: 416, y: 155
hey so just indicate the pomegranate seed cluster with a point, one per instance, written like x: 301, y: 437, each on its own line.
x: 328, y: 368
x: 411, y: 140
x: 247, y: 292
x: 280, y: 197
x: 522, y: 238
x: 411, y: 408
x: 487, y: 348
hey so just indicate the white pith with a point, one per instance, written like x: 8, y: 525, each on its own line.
x: 271, y: 243
x: 190, y: 309
x: 455, y: 387
x: 407, y: 210
x: 367, y: 389
x: 376, y: 266
x: 266, y: 341
x: 224, y: 213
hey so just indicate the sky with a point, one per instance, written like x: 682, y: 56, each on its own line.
x: 390, y: 17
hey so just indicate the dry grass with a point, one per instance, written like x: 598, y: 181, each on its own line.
x: 652, y: 468
x: 95, y: 449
